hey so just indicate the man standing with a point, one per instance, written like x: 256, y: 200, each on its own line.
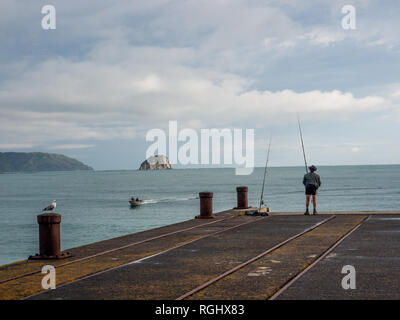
x: 312, y: 182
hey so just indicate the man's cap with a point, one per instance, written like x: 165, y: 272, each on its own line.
x: 313, y: 168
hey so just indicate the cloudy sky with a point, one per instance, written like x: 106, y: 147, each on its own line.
x: 112, y: 70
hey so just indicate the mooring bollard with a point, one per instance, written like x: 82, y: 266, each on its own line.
x: 49, y: 237
x: 206, y: 205
x: 242, y: 202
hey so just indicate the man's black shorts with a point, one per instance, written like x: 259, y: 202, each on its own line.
x: 311, y: 190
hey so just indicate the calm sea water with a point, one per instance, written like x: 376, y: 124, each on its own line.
x: 94, y: 205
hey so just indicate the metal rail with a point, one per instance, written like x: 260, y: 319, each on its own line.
x: 223, y: 275
x: 298, y: 276
x: 115, y: 249
x: 159, y: 253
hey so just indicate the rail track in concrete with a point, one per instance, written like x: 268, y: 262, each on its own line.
x: 286, y: 285
x: 116, y: 249
x: 119, y: 250
x: 328, y: 251
x: 226, y: 224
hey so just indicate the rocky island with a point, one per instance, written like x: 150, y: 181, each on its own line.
x: 38, y: 161
x: 157, y: 162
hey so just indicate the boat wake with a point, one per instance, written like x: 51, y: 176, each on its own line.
x: 163, y: 200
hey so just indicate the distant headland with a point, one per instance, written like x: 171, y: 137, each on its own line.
x: 38, y: 161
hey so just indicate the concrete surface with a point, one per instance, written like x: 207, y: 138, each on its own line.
x: 167, y: 262
x: 373, y: 250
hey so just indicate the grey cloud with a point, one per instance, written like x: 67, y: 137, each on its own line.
x: 113, y: 69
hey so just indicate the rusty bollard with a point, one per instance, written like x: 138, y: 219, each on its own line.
x: 206, y: 205
x: 49, y: 237
x: 242, y: 202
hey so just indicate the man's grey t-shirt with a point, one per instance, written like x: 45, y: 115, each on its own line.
x: 312, y: 178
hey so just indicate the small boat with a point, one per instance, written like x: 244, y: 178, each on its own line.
x: 135, y: 203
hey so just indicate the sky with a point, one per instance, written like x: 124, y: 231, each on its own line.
x: 113, y: 70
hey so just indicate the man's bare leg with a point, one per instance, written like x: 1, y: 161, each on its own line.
x: 307, y: 203
x: 314, y: 201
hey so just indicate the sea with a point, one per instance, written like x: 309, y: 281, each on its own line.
x: 94, y: 204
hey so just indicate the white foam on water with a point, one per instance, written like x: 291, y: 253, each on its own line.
x: 151, y: 201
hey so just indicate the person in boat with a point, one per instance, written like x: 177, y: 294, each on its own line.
x: 137, y: 199
x: 311, y: 181
x: 132, y: 199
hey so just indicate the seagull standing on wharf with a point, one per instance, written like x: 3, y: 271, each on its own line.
x: 51, y: 207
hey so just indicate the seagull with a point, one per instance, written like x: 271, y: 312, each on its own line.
x: 51, y: 207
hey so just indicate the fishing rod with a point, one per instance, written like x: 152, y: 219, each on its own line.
x: 265, y: 173
x: 302, y: 143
